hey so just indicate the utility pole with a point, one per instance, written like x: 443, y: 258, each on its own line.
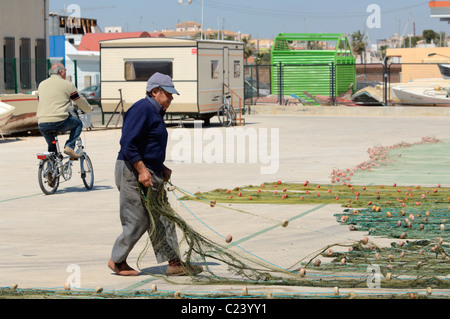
x: 201, y: 28
x: 182, y: 3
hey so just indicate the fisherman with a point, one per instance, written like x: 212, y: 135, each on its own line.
x: 141, y: 159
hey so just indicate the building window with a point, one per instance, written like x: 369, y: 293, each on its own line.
x: 25, y: 63
x: 9, y: 62
x: 214, y: 69
x: 41, y: 61
x: 143, y: 70
x: 237, y: 69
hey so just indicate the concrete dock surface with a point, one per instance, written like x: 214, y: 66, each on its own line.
x: 46, y: 239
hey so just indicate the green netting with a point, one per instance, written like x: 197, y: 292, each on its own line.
x: 423, y: 262
x: 420, y: 163
x: 414, y: 218
x: 197, y: 249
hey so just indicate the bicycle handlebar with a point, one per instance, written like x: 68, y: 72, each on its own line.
x: 76, y: 110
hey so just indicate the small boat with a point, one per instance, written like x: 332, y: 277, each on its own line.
x: 445, y: 70
x: 24, y: 117
x: 369, y: 96
x: 6, y: 112
x: 422, y: 96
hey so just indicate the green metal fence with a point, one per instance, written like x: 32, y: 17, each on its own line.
x: 277, y: 83
x: 375, y: 84
x: 319, y: 64
x: 24, y: 75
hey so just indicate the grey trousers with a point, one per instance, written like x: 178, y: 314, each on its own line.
x: 136, y: 220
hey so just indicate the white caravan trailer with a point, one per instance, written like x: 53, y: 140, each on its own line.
x: 199, y: 69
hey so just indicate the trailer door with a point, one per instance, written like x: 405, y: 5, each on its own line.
x: 226, y: 70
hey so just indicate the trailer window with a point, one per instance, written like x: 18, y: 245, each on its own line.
x: 214, y: 69
x: 237, y: 69
x: 142, y: 70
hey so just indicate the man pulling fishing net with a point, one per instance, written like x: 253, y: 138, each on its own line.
x: 140, y: 170
x: 140, y: 176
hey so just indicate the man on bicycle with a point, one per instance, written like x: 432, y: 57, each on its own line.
x: 55, y: 95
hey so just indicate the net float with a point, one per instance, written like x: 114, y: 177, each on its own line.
x: 98, y: 290
x: 336, y: 291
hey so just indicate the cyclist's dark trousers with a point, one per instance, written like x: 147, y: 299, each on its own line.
x: 72, y: 124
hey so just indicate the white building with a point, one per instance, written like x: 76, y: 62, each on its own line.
x: 86, y: 62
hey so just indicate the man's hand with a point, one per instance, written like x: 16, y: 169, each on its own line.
x: 145, y: 178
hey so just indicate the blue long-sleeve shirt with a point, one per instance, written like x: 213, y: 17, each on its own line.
x: 144, y: 135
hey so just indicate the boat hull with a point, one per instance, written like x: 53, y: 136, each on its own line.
x: 23, y: 118
x: 445, y: 70
x: 6, y: 112
x: 421, y: 96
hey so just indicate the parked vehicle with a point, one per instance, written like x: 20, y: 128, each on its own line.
x: 92, y: 94
x: 200, y: 69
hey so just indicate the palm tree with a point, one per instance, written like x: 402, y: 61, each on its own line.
x: 359, y: 42
x: 249, y: 48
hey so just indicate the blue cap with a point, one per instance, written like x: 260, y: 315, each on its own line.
x: 163, y: 81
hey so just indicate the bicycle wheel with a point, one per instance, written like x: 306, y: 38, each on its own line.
x: 232, y: 116
x: 87, y: 171
x: 48, y: 176
x: 224, y: 116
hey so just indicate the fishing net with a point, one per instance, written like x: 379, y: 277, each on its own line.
x: 408, y: 227
x: 197, y: 249
x: 382, y: 156
x: 419, y: 256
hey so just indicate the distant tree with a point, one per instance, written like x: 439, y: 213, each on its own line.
x: 383, y: 49
x: 263, y: 57
x: 414, y: 41
x: 249, y: 48
x: 359, y: 42
x: 430, y: 35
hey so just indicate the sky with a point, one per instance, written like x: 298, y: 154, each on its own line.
x: 264, y: 19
